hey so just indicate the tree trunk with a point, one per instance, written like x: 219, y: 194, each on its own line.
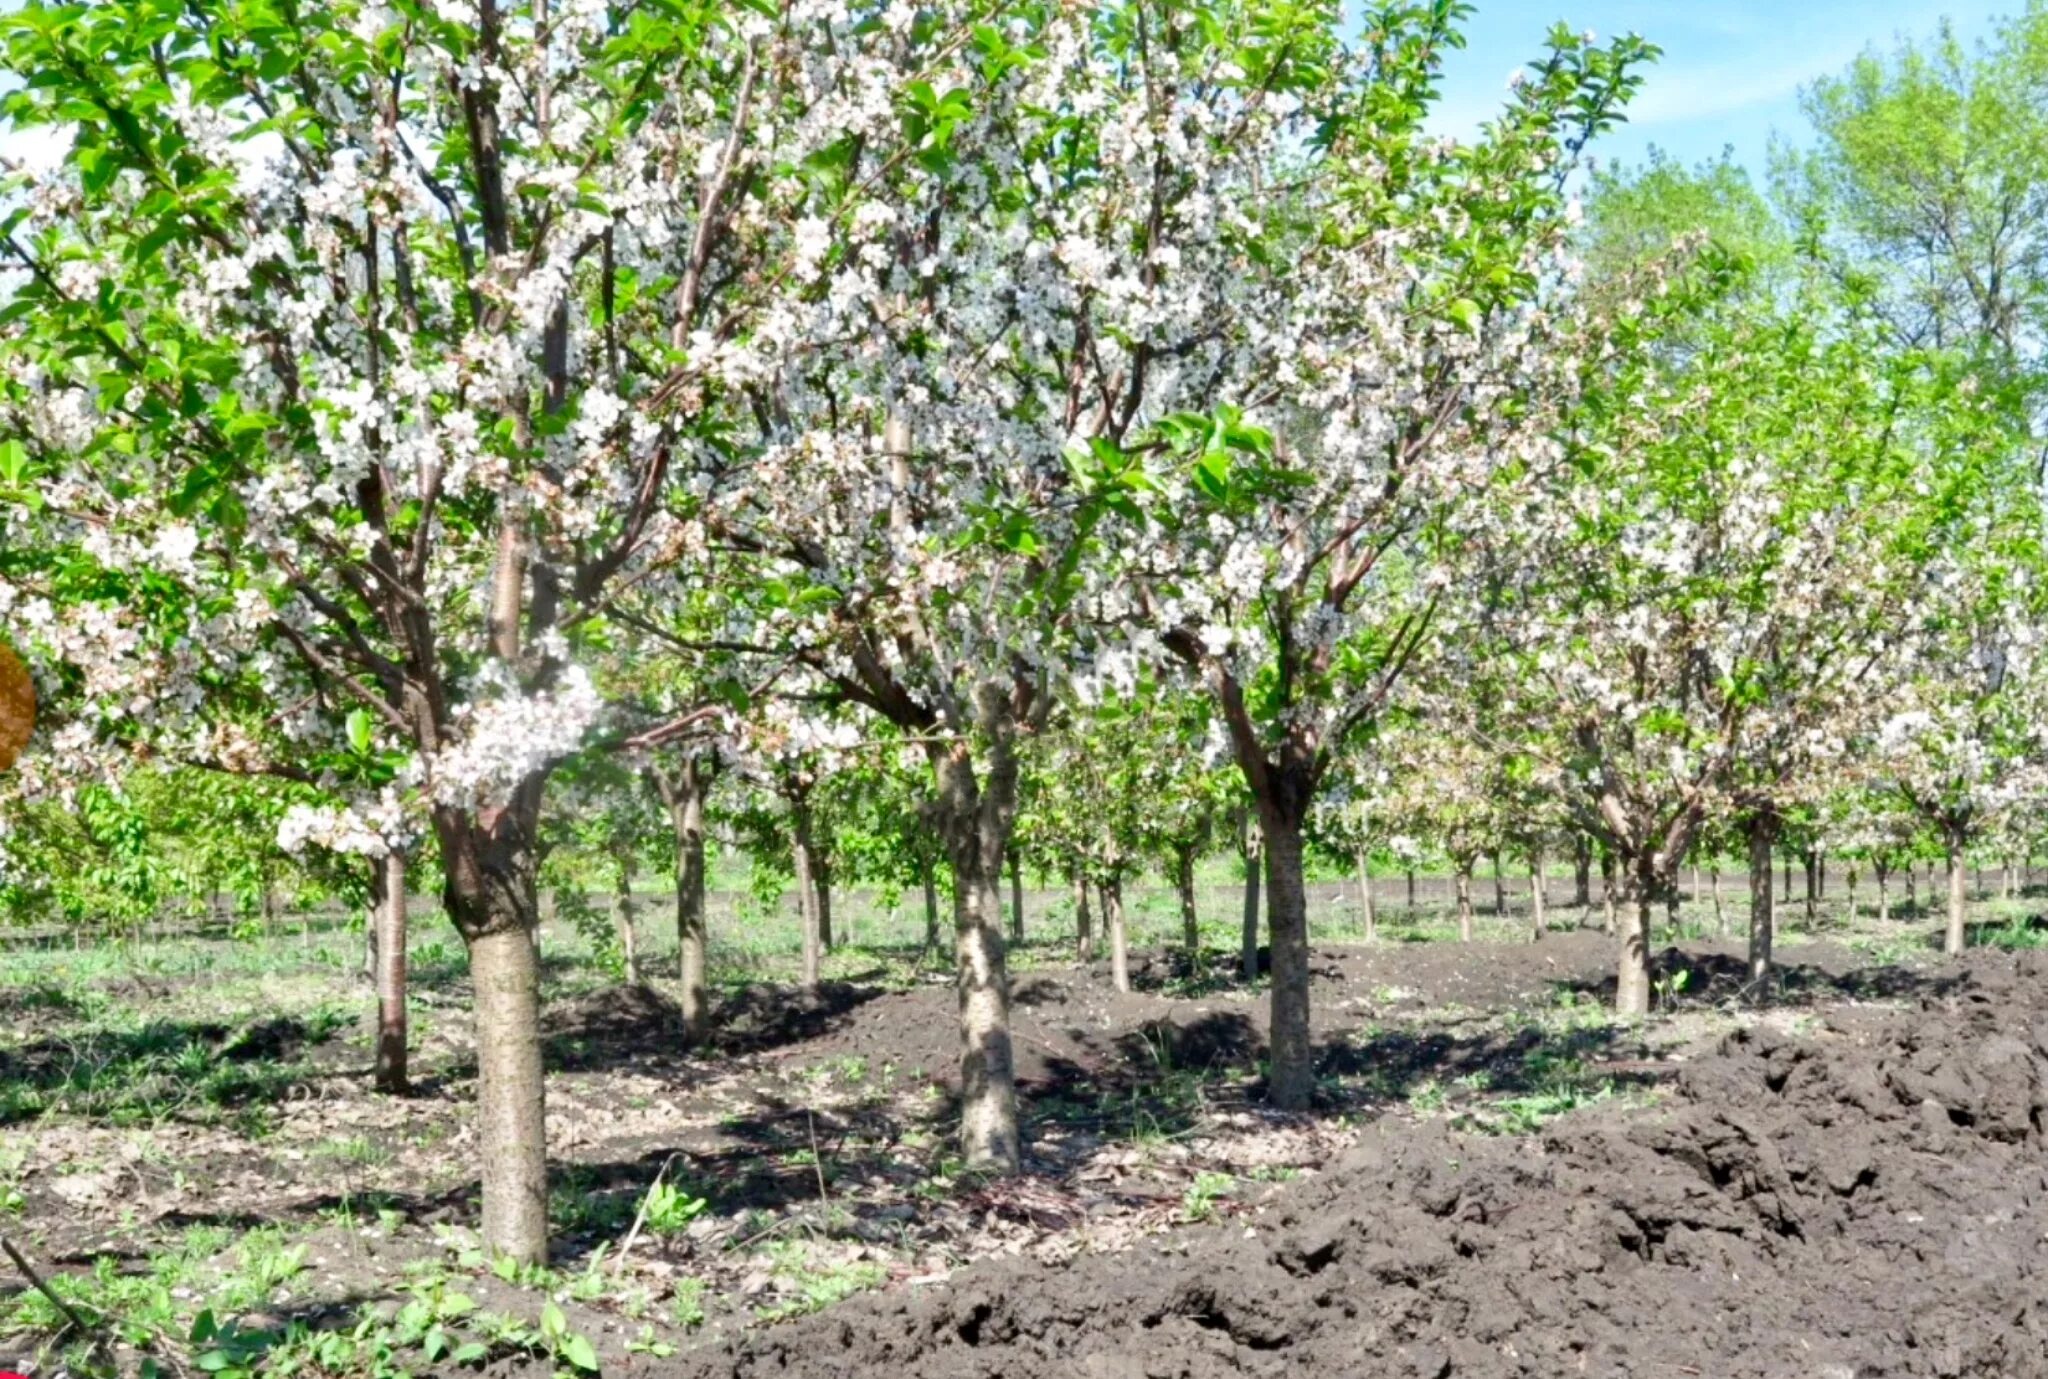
x: 1464, y: 882
x: 1365, y: 906
x: 1411, y: 893
x: 1500, y: 889
x: 1248, y: 936
x: 1850, y: 881
x: 1913, y: 884
x: 1811, y: 859
x: 821, y: 891
x: 1582, y: 875
x: 1884, y: 896
x: 1111, y: 889
x: 1190, y: 915
x: 1016, y: 898
x: 1291, y: 1079
x: 807, y: 901
x: 683, y: 794
x: 389, y: 923
x: 1762, y: 907
x: 1953, y: 936
x: 1788, y: 877
x: 1084, y: 923
x: 1606, y: 891
x: 511, y: 1094
x: 623, y: 917
x: 1632, y: 978
x: 931, y: 906
x: 976, y: 817
x: 1536, y: 917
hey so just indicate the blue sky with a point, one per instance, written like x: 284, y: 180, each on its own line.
x: 1731, y: 69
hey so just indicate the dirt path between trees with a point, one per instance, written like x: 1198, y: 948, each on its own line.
x: 1865, y: 1197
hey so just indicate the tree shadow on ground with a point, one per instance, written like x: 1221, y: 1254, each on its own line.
x: 1712, y: 980
x: 162, y: 1067
x: 621, y: 1026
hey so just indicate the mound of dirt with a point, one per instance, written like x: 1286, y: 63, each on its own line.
x: 1868, y: 1200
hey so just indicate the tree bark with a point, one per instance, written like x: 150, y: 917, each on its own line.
x: 931, y: 906
x: 821, y: 891
x: 1190, y: 915
x: 1720, y: 910
x: 624, y: 918
x: 1913, y: 884
x: 1291, y: 1079
x: 1958, y: 905
x: 1411, y: 893
x: 1464, y: 883
x: 1606, y: 891
x: 1365, y: 905
x: 806, y: 900
x: 1537, y: 922
x: 389, y: 924
x: 1084, y: 923
x: 685, y: 801
x: 511, y: 1095
x: 976, y: 817
x: 1016, y: 898
x: 1248, y: 935
x: 1500, y: 888
x: 1582, y: 875
x: 1884, y: 895
x: 1763, y: 914
x: 1632, y: 985
x: 1111, y: 889
x: 1811, y: 860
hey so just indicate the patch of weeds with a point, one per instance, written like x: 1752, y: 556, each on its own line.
x: 1199, y: 1202
x: 1428, y: 1097
x: 813, y: 1286
x: 686, y: 1308
x: 1525, y: 1115
x: 359, y: 1151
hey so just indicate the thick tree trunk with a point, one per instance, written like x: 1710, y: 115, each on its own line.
x: 1411, y: 893
x: 1884, y: 895
x: 1606, y: 891
x: 931, y: 906
x: 1913, y: 884
x: 1367, y: 913
x: 1248, y: 933
x: 511, y: 1095
x: 807, y: 901
x: 1016, y: 898
x: 1958, y: 904
x: 1582, y: 875
x: 1811, y: 860
x: 1190, y: 915
x: 1632, y: 984
x: 1537, y: 921
x: 1763, y: 915
x: 976, y: 814
x: 1111, y: 889
x: 1500, y: 888
x: 626, y: 921
x: 1464, y: 882
x: 389, y: 923
x: 1291, y: 1079
x: 1084, y: 923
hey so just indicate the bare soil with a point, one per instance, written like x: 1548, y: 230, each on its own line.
x: 1865, y: 1198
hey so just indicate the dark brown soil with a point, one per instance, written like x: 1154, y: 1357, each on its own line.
x: 1866, y: 1198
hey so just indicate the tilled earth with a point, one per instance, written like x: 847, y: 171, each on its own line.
x: 1868, y: 1197
x: 1847, y: 1182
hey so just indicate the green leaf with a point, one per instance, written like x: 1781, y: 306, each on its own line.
x: 1465, y: 313
x: 359, y: 731
x: 578, y: 1351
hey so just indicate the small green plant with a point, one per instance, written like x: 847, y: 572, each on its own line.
x: 1199, y: 1202
x: 669, y: 1209
x: 686, y: 1308
x: 1672, y: 985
